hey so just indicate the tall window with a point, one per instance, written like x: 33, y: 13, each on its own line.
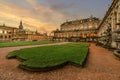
x: 115, y: 20
x: 5, y: 32
x: 1, y: 31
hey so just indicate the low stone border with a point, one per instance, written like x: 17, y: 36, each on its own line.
x: 117, y: 53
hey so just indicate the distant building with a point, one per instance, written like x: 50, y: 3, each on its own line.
x: 35, y: 36
x: 19, y: 34
x: 109, y: 29
x: 6, y: 32
x: 78, y: 30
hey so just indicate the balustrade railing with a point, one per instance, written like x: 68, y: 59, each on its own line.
x: 117, y: 30
x: 117, y: 38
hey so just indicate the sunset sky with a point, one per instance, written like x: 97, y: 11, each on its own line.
x: 47, y: 15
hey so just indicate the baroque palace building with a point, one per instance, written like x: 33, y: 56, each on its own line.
x: 78, y: 30
x: 109, y: 29
x: 105, y: 32
x: 19, y: 34
x: 6, y: 33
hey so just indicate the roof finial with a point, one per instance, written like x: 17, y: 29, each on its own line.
x: 4, y: 24
x: 91, y: 16
x: 20, y: 26
x: 66, y: 20
x: 36, y: 31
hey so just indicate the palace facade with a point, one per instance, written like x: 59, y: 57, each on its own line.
x: 109, y: 29
x: 78, y: 30
x: 105, y: 32
x: 6, y: 32
x: 19, y: 34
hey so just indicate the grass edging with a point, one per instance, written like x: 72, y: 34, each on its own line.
x: 43, y: 69
x: 25, y: 43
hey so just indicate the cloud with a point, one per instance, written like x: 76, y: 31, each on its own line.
x: 29, y: 17
x: 37, y: 15
x: 46, y: 11
x: 45, y: 15
x: 35, y: 5
x: 35, y: 25
x: 63, y: 7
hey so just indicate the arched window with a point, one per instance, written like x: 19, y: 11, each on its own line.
x: 9, y: 36
x: 1, y: 36
x: 5, y: 37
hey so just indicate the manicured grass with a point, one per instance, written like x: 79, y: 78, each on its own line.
x: 48, y: 57
x: 23, y: 43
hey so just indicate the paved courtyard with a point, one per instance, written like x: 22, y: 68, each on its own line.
x: 101, y: 65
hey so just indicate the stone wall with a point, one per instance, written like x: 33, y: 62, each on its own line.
x: 111, y: 19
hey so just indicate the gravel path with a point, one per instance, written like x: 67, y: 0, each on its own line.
x: 101, y: 65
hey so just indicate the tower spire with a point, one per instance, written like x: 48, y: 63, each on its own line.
x: 21, y: 26
x: 91, y: 16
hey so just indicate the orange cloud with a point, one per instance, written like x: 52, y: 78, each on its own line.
x: 39, y: 7
x: 45, y: 21
x: 34, y: 4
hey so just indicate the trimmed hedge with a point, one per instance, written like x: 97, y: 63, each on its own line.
x: 50, y: 57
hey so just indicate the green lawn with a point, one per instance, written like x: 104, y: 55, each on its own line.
x: 23, y: 43
x: 47, y: 57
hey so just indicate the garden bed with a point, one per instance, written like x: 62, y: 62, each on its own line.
x: 51, y: 57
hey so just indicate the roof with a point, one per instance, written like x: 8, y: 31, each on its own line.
x: 7, y: 27
x: 80, y: 21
